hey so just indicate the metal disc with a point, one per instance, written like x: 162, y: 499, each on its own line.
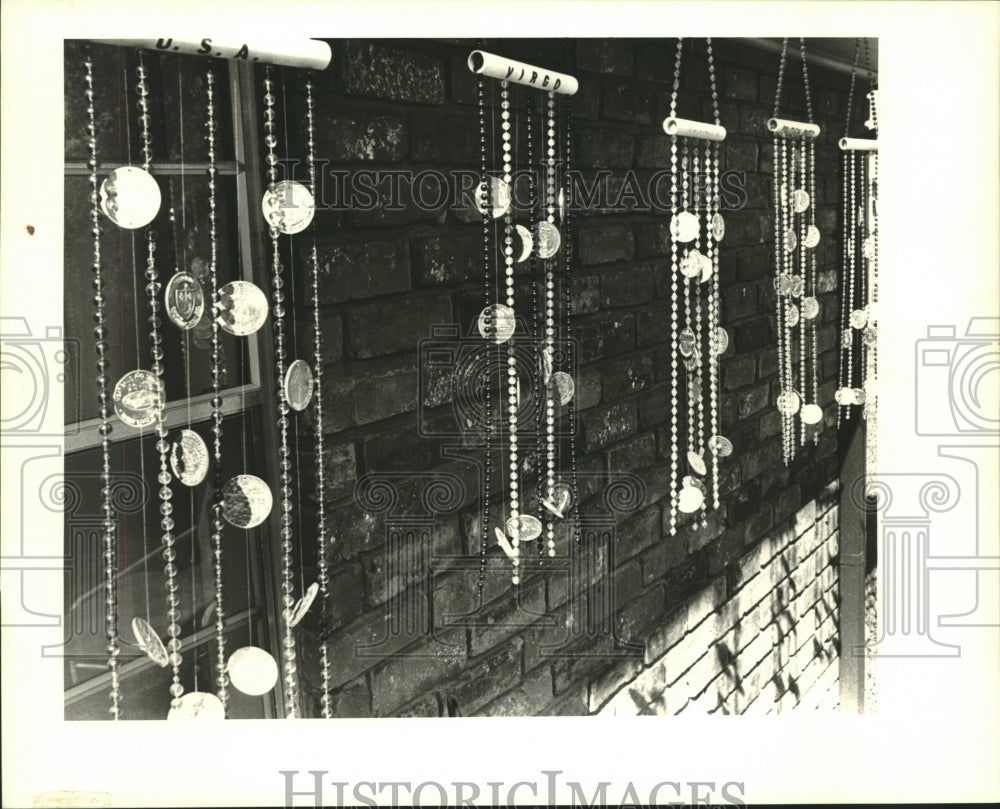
x: 810, y: 308
x: 198, y: 705
x: 138, y: 398
x: 792, y: 316
x: 788, y: 402
x: 298, y: 385
x: 527, y: 243
x: 721, y: 341
x: 246, y: 501
x: 189, y: 458
x: 869, y: 336
x: 150, y: 642
x: 718, y: 227
x: 501, y: 325
x: 859, y: 395
x: 690, y: 264
x: 547, y: 240
x: 185, y: 300
x: 689, y: 500
x: 562, y: 498
x: 298, y: 612
x: 706, y: 268
x: 692, y: 482
x: 859, y: 317
x: 252, y: 671
x: 500, y: 197
x: 812, y: 237
x: 783, y: 283
x: 720, y: 446
x: 242, y: 308
x: 546, y: 365
x: 844, y: 396
x: 684, y: 227
x: 691, y: 364
x: 130, y: 197
x: 791, y: 240
x: 696, y: 462
x: 290, y: 207
x: 524, y: 528
x: 564, y: 385
x: 686, y: 342
x: 798, y: 286
x: 846, y: 336
x: 800, y: 200
x: 811, y: 414
x: 868, y: 247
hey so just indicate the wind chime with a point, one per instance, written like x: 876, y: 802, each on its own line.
x: 795, y: 239
x: 696, y: 337
x: 859, y: 287
x: 130, y: 197
x: 545, y: 240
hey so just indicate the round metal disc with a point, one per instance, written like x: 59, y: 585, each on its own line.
x: 150, y: 642
x: 810, y: 308
x: 524, y: 528
x: 706, y: 268
x: 500, y: 192
x: 546, y: 365
x: 696, y: 462
x: 844, y: 396
x: 800, y: 200
x: 686, y: 341
x: 791, y: 240
x: 721, y: 341
x: 689, y: 500
x: 846, y: 336
x: 811, y: 414
x: 798, y: 286
x: 869, y: 336
x: 527, y: 243
x: 692, y: 482
x: 690, y: 264
x: 246, y: 501
x: 242, y: 308
x: 812, y: 237
x: 859, y: 317
x: 290, y: 207
x: 298, y: 612
x: 564, y: 385
x: 783, y: 283
x: 792, y: 316
x: 718, y: 227
x: 547, y: 240
x: 868, y: 247
x: 720, y: 445
x: 189, y: 458
x: 501, y: 325
x: 298, y: 385
x: 138, y: 398
x: 684, y: 227
x: 185, y: 300
x: 691, y: 364
x: 788, y: 402
x: 859, y: 395
x: 130, y: 197
x: 252, y: 671
x: 198, y: 705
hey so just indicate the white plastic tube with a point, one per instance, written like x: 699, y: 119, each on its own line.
x: 693, y: 129
x: 792, y: 129
x: 859, y: 144
x: 303, y: 53
x: 500, y: 67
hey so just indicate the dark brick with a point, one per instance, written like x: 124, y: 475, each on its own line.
x: 528, y: 699
x: 340, y: 471
x: 404, y: 677
x: 605, y: 55
x: 742, y: 156
x: 760, y: 460
x: 332, y: 330
x: 753, y: 120
x: 608, y: 423
x: 606, y: 337
x: 654, y: 60
x: 507, y: 617
x: 628, y: 102
x: 399, y: 200
x: 603, y: 149
x: 445, y: 140
x: 586, y: 294
x: 353, y: 270
x: 664, y: 556
x: 653, y: 152
x: 602, y: 244
x: 752, y: 400
x: 737, y: 372
x: 740, y: 82
x: 653, y: 326
x: 635, y: 454
x: 352, y: 701
x: 627, y: 375
x: 347, y: 594
x: 753, y: 335
x: 685, y: 580
x: 486, y: 679
x: 360, y: 136
x: 386, y: 327
x: 627, y: 287
x: 767, y: 363
x: 637, y: 534
x: 652, y: 239
x: 374, y: 71
x: 449, y: 259
x: 725, y: 550
x: 742, y: 229
x: 654, y: 408
x: 754, y: 264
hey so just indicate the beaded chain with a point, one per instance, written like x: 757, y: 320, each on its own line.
x: 285, y: 464
x: 326, y: 704
x: 674, y: 303
x: 549, y: 340
x: 221, y: 679
x: 567, y: 333
x: 108, y: 523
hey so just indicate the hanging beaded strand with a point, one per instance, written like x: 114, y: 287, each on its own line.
x: 221, y: 678
x: 285, y: 464
x: 714, y: 308
x: 566, y: 334
x: 108, y: 523
x: 484, y: 198
x: 549, y: 342
x: 806, y: 352
x: 674, y: 304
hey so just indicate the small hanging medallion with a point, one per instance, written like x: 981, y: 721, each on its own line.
x: 242, y: 308
x: 527, y: 243
x: 868, y: 336
x: 298, y: 385
x: 788, y: 402
x: 812, y: 237
x: 686, y: 342
x: 846, y: 337
x: 564, y: 385
x: 189, y: 458
x: 690, y: 265
x: 812, y: 414
x: 198, y: 705
x: 246, y: 501
x: 718, y: 227
x: 696, y: 462
x: 139, y: 398
x: 298, y: 612
x: 859, y: 317
x: 150, y: 642
x: 690, y: 499
x: 810, y: 308
x: 501, y: 325
x: 706, y: 268
x: 500, y: 192
x: 130, y: 197
x: 546, y: 365
x: 721, y: 341
x: 684, y: 227
x: 692, y: 364
x: 562, y: 498
x: 783, y: 283
x: 791, y: 240
x: 800, y: 201
x: 868, y: 247
x: 252, y: 671
x: 289, y: 207
x: 720, y: 446
x: 859, y: 396
x: 524, y: 528
x: 792, y: 315
x: 547, y: 240
x: 185, y: 300
x: 692, y: 482
x: 797, y: 287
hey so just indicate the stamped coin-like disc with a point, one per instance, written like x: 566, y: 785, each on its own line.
x: 527, y: 242
x: 150, y: 641
x: 690, y: 499
x: 564, y: 385
x: 298, y: 385
x: 844, y: 396
x: 791, y: 240
x: 811, y: 414
x: 290, y: 207
x: 718, y: 227
x: 139, y: 398
x: 690, y: 264
x: 685, y: 342
x: 198, y: 705
x: 524, y: 528
x: 298, y: 612
x: 810, y: 308
x: 130, y: 197
x: 869, y: 335
x: 547, y: 240
x: 242, y: 308
x: 501, y: 325
x: 189, y: 458
x: 185, y: 300
x: 859, y: 317
x: 792, y: 316
x: 720, y: 445
x: 246, y: 501
x: 721, y: 341
x: 692, y: 482
x: 684, y: 227
x: 798, y: 286
x: 800, y: 200
x: 696, y: 462
x: 788, y: 402
x: 812, y: 237
x: 783, y: 283
x: 252, y: 670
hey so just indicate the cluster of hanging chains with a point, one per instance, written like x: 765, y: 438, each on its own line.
x: 550, y: 322
x: 221, y: 678
x: 567, y: 335
x: 848, y: 262
x: 486, y: 208
x: 284, y: 461
x: 714, y: 305
x: 538, y: 353
x: 326, y: 704
x: 108, y: 522
x: 674, y: 303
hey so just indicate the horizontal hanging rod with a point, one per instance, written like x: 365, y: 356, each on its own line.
x: 859, y: 144
x: 792, y: 129
x: 305, y: 53
x: 814, y: 58
x: 693, y: 129
x: 500, y: 67
x: 163, y: 167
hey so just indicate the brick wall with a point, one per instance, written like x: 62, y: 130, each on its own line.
x: 740, y: 615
